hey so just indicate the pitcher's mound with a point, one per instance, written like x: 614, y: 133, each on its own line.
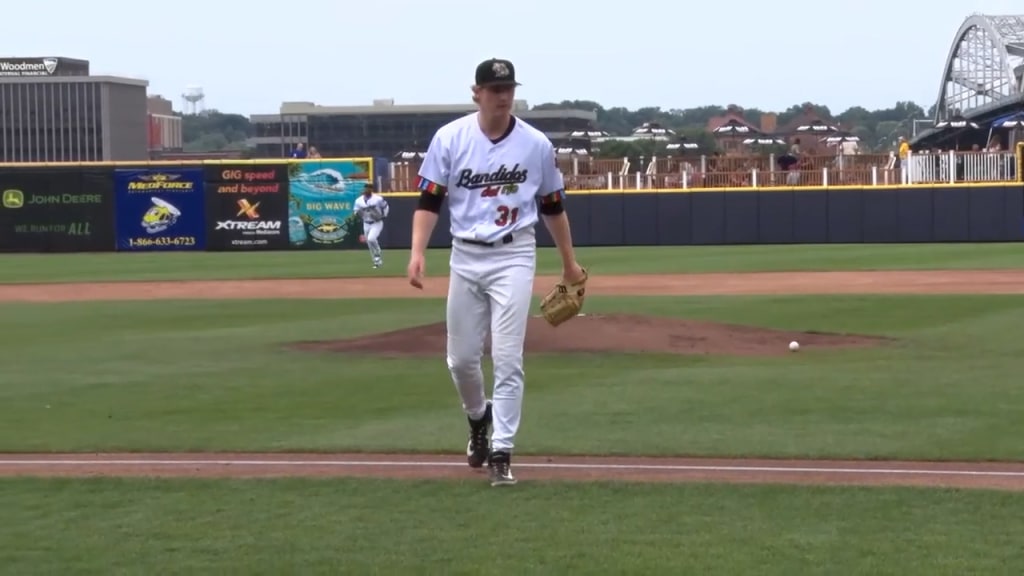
x: 609, y: 333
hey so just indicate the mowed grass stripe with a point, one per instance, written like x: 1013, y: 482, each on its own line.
x: 102, y: 526
x: 209, y: 375
x: 26, y: 268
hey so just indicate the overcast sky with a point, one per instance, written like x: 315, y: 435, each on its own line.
x: 250, y: 56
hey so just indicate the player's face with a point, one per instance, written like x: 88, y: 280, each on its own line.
x: 496, y: 98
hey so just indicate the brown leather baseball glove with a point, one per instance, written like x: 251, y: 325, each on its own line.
x: 564, y: 301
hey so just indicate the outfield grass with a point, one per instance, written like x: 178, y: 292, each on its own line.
x: 66, y: 526
x: 213, y: 375
x: 205, y: 375
x: 618, y: 260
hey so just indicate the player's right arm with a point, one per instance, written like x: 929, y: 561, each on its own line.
x: 433, y: 186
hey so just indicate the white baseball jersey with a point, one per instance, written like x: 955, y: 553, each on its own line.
x: 492, y: 187
x: 364, y: 207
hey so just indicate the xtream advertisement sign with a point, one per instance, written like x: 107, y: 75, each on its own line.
x: 247, y: 207
x: 53, y: 212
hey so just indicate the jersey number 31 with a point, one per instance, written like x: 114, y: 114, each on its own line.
x: 506, y: 216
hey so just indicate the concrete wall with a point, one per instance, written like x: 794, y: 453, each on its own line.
x: 125, y: 123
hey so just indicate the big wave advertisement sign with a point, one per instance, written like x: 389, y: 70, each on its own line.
x: 321, y: 196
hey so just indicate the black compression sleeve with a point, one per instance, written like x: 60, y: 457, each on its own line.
x: 430, y: 202
x: 552, y: 208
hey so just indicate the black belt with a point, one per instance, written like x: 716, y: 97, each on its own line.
x: 506, y: 239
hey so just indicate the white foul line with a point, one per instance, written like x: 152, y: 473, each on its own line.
x: 550, y: 466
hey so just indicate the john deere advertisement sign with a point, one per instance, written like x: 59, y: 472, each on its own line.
x: 56, y: 210
x: 160, y: 209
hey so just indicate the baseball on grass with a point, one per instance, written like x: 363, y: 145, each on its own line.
x: 794, y: 346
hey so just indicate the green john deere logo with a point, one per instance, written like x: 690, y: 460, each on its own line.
x: 13, y: 199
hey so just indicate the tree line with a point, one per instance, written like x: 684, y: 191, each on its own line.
x: 877, y: 129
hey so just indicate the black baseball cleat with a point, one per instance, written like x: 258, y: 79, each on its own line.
x: 500, y: 464
x: 479, y: 448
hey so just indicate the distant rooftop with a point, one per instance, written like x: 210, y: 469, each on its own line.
x: 73, y: 80
x: 388, y: 106
x: 80, y: 61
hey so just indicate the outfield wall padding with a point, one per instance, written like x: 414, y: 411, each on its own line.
x: 74, y: 208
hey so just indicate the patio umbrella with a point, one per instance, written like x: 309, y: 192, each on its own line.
x: 816, y: 127
x: 956, y: 124
x: 588, y: 134
x: 786, y: 160
x: 409, y: 155
x: 733, y: 127
x: 652, y: 129
x: 682, y: 144
x: 840, y: 138
x: 764, y: 141
x: 567, y: 150
x: 1015, y: 121
x: 1012, y: 122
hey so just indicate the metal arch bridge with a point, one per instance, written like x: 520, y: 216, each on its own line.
x: 983, y: 78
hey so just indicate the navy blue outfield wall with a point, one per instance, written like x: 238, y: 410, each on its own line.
x: 255, y: 206
x: 808, y: 216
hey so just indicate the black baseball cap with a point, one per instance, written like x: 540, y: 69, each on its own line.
x: 496, y: 72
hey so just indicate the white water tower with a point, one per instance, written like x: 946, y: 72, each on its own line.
x: 193, y: 100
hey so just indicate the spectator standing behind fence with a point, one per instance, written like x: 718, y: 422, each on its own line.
x: 902, y: 152
x: 299, y: 151
x: 791, y: 164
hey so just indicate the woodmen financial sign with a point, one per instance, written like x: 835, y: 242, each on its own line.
x: 48, y: 66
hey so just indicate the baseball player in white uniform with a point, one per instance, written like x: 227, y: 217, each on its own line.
x: 499, y: 175
x: 372, y: 209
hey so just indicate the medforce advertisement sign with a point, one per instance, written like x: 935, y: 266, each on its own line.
x: 160, y: 210
x: 247, y: 207
x: 321, y: 200
x: 56, y: 210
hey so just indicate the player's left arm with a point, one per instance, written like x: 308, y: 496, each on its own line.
x: 551, y: 196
